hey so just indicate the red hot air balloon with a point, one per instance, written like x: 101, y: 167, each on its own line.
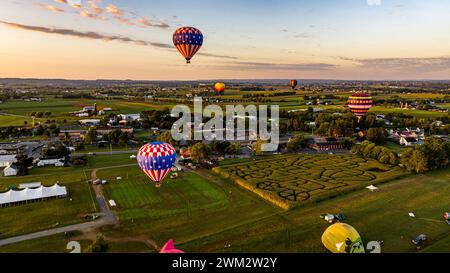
x: 156, y: 160
x: 219, y: 87
x: 360, y: 104
x: 293, y: 84
x: 188, y: 41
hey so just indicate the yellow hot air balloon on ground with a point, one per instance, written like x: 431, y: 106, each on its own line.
x: 342, y: 238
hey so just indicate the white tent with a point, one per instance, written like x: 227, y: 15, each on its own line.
x: 28, y: 194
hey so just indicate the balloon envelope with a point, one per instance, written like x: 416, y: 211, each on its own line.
x: 293, y: 83
x: 169, y: 248
x: 342, y: 238
x: 156, y: 160
x: 219, y: 87
x: 359, y: 104
x: 188, y: 41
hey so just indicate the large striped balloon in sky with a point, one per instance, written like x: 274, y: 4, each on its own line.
x: 359, y: 104
x: 293, y: 84
x: 156, y: 160
x: 188, y: 41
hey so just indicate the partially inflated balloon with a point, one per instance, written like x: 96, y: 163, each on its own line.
x: 156, y: 159
x: 169, y: 248
x: 219, y: 87
x: 293, y: 83
x: 188, y: 41
x: 359, y: 104
x: 342, y: 238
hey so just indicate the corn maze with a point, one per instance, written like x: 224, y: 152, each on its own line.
x: 290, y: 180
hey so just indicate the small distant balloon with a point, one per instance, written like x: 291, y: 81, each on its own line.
x: 219, y: 87
x: 293, y: 84
x: 188, y: 41
x: 156, y: 160
x: 169, y: 248
x: 342, y: 238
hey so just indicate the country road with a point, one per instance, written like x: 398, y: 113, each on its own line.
x: 107, y: 217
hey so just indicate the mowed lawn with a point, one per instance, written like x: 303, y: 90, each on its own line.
x: 381, y: 215
x: 43, y: 215
x: 183, y: 209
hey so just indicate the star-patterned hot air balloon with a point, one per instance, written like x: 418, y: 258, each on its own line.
x: 156, y: 160
x: 188, y: 41
x: 293, y: 84
x: 219, y: 87
x: 360, y: 104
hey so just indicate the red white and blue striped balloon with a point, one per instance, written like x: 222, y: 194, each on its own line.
x: 188, y: 41
x: 156, y: 160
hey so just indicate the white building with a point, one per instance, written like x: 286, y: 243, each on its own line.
x: 13, y: 197
x: 130, y: 117
x: 89, y: 122
x: 11, y: 170
x: 57, y: 162
x: 7, y: 160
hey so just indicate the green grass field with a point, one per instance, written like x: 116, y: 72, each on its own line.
x: 42, y: 215
x: 381, y: 215
x: 415, y: 113
x: 292, y: 180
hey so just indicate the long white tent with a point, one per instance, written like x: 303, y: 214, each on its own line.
x: 30, y: 194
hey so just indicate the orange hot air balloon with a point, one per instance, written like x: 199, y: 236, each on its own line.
x: 219, y: 87
x: 293, y: 84
x: 188, y: 41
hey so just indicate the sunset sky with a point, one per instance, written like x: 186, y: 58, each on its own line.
x: 244, y: 39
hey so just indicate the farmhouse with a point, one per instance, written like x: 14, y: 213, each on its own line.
x: 106, y: 131
x: 13, y: 197
x: 326, y: 144
x: 72, y: 134
x: 408, y: 141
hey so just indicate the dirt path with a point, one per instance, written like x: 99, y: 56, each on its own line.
x: 107, y: 217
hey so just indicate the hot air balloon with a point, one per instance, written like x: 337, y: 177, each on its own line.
x: 156, y: 160
x: 342, y: 238
x: 169, y: 248
x: 360, y: 104
x: 293, y: 84
x: 219, y: 87
x: 188, y: 41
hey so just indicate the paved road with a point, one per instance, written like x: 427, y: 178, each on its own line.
x: 107, y: 217
x: 107, y: 153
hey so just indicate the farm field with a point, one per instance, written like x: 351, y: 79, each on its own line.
x: 191, y: 206
x: 244, y: 224
x: 380, y: 215
x: 416, y: 113
x: 38, y: 216
x: 18, y: 111
x: 292, y: 180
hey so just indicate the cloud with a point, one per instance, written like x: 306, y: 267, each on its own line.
x: 86, y: 35
x: 61, y: 1
x: 373, y: 2
x: 403, y: 64
x: 146, y: 22
x: 114, y: 10
x: 217, y: 56
x: 292, y: 66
